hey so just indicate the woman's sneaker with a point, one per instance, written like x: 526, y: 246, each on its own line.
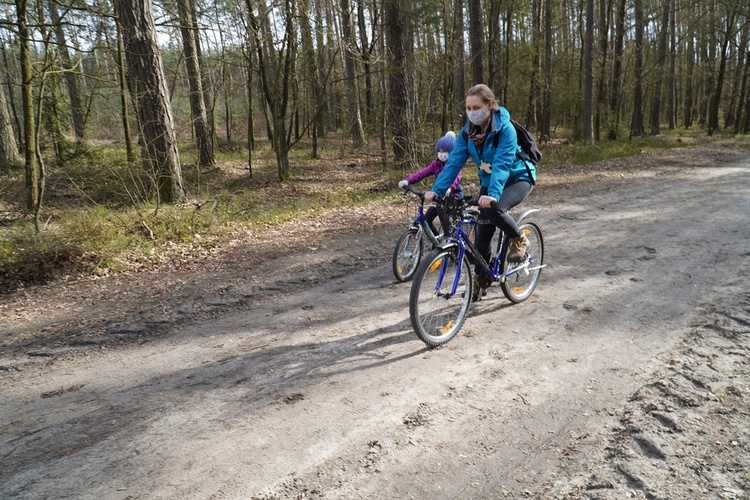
x: 518, y: 247
x: 477, y: 290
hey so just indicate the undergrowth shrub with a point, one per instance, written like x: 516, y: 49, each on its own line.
x: 77, y: 242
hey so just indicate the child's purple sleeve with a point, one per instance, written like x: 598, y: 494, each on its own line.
x: 421, y: 174
x: 457, y: 182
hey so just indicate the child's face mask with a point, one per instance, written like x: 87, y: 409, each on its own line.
x: 442, y: 156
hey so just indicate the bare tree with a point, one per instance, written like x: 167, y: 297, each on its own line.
x: 352, y: 94
x: 275, y: 61
x: 588, y: 100
x: 148, y: 85
x: 660, y: 62
x: 729, y: 30
x: 476, y: 41
x: 671, y: 77
x: 8, y: 144
x: 494, y: 67
x: 123, y: 94
x: 547, y: 96
x: 615, y: 96
x: 197, y: 101
x: 687, y: 119
x: 34, y: 171
x: 636, y: 126
x: 459, y: 62
x: 72, y: 80
x: 401, y: 84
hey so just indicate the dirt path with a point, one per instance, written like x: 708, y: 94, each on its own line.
x: 626, y: 373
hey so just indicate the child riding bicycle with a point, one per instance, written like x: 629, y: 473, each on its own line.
x: 443, y: 147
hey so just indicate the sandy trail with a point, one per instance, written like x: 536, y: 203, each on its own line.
x: 640, y: 319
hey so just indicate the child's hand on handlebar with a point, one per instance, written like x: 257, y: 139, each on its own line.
x: 430, y: 196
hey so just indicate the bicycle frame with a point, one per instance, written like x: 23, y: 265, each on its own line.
x: 461, y: 239
x: 420, y: 221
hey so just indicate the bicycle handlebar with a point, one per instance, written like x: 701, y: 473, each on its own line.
x: 467, y: 200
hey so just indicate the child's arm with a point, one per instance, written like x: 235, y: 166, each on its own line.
x: 457, y: 182
x: 421, y: 174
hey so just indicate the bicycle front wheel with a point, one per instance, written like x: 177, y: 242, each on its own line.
x: 437, y: 313
x: 407, y: 254
x: 521, y: 278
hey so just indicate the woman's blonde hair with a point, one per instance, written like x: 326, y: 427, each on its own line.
x: 484, y: 92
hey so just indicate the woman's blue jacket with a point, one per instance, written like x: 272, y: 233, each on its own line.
x: 496, y: 158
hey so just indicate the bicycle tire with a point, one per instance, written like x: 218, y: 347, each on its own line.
x: 435, y: 315
x: 407, y: 255
x: 519, y: 286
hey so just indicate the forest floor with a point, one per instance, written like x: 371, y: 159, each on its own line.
x: 283, y: 365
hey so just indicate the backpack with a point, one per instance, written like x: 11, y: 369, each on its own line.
x: 528, y: 146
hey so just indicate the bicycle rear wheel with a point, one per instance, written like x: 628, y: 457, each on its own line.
x: 436, y: 314
x: 521, y: 278
x: 407, y: 254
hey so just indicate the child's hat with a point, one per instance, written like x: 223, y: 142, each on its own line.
x: 446, y: 142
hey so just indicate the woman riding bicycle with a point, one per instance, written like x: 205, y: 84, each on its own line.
x: 490, y: 140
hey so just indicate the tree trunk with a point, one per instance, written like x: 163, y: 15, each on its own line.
x: 636, y: 126
x: 321, y: 62
x: 743, y: 99
x: 401, y: 71
x: 313, y: 84
x: 494, y: 67
x: 275, y: 69
x: 72, y: 81
x: 476, y: 41
x: 11, y: 101
x: 8, y: 145
x: 713, y: 116
x: 250, y: 122
x: 588, y: 100
x: 123, y: 93
x: 615, y: 100
x: 659, y: 69
x: 671, y: 77
x: 357, y: 132
x: 546, y: 126
x: 146, y: 73
x: 605, y: 9
x: 459, y: 75
x: 32, y: 167
x: 365, y: 51
x: 197, y: 101
x: 687, y: 118
x: 531, y: 113
x: 208, y: 99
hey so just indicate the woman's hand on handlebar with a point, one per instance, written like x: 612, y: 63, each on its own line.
x: 485, y: 201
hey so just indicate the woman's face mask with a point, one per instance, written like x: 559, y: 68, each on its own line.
x: 477, y: 116
x: 442, y: 156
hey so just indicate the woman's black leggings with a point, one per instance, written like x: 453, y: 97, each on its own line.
x: 497, y: 214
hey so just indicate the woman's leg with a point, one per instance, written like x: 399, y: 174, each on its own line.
x: 484, y: 232
x: 499, y: 217
x: 512, y: 196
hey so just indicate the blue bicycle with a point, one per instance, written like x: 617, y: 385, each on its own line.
x: 417, y: 238
x: 443, y: 287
